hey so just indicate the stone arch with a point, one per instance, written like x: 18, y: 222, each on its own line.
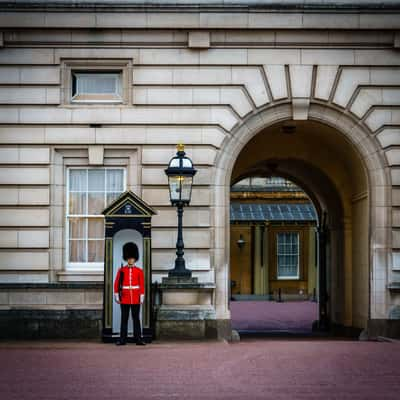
x: 379, y: 201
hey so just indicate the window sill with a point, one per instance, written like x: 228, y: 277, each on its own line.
x: 394, y: 286
x: 80, y: 276
x: 114, y: 105
x: 116, y: 101
x: 289, y: 278
x: 52, y: 286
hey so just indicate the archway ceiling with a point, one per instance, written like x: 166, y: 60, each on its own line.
x: 316, y: 157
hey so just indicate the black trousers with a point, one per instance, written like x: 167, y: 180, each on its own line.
x: 135, y: 308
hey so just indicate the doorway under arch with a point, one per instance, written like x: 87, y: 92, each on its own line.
x: 342, y: 170
x: 273, y: 257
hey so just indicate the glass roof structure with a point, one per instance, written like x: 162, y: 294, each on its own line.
x: 272, y: 212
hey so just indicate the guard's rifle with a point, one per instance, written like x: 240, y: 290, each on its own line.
x: 120, y: 282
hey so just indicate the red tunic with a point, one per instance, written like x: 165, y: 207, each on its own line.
x: 132, y: 285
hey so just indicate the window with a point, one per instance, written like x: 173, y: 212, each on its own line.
x: 96, y: 81
x: 96, y: 86
x: 288, y: 255
x: 90, y: 190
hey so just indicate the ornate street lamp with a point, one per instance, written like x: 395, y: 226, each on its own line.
x: 180, y: 174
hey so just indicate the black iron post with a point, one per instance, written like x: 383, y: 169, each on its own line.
x: 323, y: 291
x: 279, y: 296
x: 180, y: 174
x: 180, y: 266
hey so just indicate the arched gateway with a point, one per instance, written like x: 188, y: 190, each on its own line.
x: 343, y: 169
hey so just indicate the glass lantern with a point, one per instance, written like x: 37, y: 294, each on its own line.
x: 180, y: 174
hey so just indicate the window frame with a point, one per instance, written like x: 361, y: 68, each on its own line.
x: 84, y: 266
x: 304, y: 238
x: 124, y: 66
x: 118, y: 75
x: 292, y: 277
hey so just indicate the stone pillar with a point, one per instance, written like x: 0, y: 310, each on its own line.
x: 186, y: 310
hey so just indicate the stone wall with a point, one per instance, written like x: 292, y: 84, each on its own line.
x: 60, y: 310
x: 194, y: 77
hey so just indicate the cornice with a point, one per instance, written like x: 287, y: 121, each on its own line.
x: 204, y: 5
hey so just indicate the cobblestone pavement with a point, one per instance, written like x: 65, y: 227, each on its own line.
x: 293, y: 316
x: 250, y: 369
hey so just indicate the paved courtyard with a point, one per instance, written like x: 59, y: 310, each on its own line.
x: 250, y: 369
x: 291, y: 316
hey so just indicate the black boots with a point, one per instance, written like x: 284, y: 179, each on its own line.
x: 139, y: 342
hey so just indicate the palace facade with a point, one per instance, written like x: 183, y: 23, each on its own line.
x: 94, y: 97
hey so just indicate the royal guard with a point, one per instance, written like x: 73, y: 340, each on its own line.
x: 129, y: 293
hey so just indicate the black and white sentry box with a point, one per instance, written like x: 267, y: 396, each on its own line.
x: 127, y: 219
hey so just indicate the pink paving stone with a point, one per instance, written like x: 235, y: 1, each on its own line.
x: 251, y: 369
x: 294, y: 316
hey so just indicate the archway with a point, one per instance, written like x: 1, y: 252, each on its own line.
x: 340, y: 165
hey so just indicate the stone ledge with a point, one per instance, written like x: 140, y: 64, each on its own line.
x: 188, y: 313
x: 220, y: 5
x: 52, y: 307
x: 172, y: 283
x: 169, y: 286
x: 64, y: 285
x: 394, y: 286
x: 52, y: 314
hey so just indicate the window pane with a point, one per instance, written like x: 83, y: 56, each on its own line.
x: 95, y: 250
x: 88, y: 191
x: 78, y: 180
x: 175, y: 187
x: 186, y: 187
x: 77, y: 203
x: 115, y: 180
x: 77, y: 251
x: 186, y: 163
x: 94, y: 83
x: 77, y: 228
x: 95, y: 228
x: 111, y: 197
x: 96, y: 180
x: 96, y: 203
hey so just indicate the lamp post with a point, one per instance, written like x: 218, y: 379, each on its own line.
x: 180, y: 174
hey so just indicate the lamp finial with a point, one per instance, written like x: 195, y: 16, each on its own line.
x: 180, y: 147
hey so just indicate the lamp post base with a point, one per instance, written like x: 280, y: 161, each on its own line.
x: 186, y: 311
x: 185, y: 273
x: 179, y: 279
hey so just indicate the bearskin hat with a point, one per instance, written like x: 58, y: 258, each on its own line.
x: 130, y: 250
